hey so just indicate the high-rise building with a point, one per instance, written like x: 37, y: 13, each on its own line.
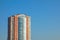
x: 19, y: 27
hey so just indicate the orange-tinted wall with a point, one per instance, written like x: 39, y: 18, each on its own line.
x: 16, y: 28
x: 27, y: 29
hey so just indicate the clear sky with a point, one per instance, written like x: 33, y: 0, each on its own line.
x: 45, y: 17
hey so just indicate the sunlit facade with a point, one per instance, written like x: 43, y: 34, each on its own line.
x: 19, y: 27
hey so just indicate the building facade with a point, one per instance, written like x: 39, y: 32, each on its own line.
x: 19, y: 27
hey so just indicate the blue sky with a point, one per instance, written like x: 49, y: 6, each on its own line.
x: 45, y: 17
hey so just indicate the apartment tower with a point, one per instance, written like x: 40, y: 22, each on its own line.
x: 19, y: 27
